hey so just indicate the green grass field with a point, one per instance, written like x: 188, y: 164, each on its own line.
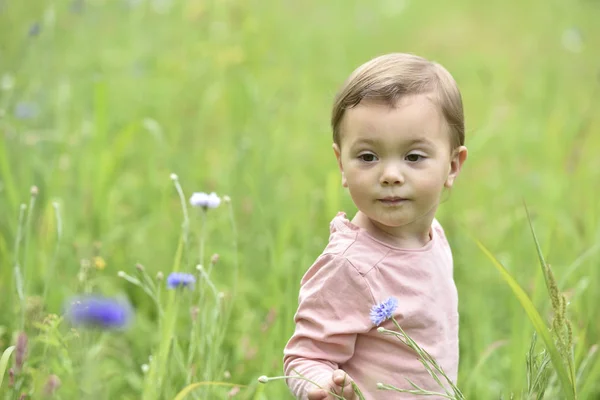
x: 100, y: 101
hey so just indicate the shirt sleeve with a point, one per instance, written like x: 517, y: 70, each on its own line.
x: 333, y: 307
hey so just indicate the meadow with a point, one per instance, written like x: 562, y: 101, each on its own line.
x: 113, y: 113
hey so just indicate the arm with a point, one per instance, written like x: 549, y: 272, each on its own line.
x: 334, y: 304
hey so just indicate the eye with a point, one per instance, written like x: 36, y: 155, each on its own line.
x: 368, y: 157
x: 414, y: 157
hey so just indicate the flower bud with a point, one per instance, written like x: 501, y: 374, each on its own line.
x: 194, y: 312
x: 20, y: 351
x: 52, y: 385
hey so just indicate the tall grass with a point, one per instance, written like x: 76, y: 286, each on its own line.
x: 100, y: 101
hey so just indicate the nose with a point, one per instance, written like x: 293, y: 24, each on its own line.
x: 391, y: 175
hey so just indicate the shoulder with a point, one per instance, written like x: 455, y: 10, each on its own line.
x: 350, y: 245
x: 340, y: 274
x: 334, y: 276
x: 438, y: 230
x: 329, y: 266
x: 348, y: 252
x: 442, y: 240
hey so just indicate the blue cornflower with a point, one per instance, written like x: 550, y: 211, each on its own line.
x: 180, y: 279
x: 35, y: 29
x: 98, y: 311
x: 383, y: 311
x: 26, y: 110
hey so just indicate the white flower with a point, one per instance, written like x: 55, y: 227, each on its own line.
x: 572, y: 40
x: 213, y: 200
x: 7, y: 82
x: 201, y: 199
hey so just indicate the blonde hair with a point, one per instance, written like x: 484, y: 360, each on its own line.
x: 390, y: 77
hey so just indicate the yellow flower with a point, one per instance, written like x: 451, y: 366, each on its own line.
x: 99, y: 263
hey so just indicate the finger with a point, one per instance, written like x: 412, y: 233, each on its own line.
x: 349, y: 393
x: 317, y: 394
x: 340, y: 378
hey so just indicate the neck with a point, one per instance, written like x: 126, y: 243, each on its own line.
x: 411, y: 236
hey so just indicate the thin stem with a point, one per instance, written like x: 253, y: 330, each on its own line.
x: 209, y: 282
x: 202, y: 236
x: 17, y: 266
x: 56, y: 207
x: 191, y: 349
x: 236, y: 263
x: 419, y: 391
x: 28, y: 235
x: 186, y: 220
x: 427, y: 360
x: 303, y: 378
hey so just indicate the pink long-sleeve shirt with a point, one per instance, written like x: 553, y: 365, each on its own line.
x: 333, y: 328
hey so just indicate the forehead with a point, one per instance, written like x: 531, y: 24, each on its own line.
x: 411, y: 118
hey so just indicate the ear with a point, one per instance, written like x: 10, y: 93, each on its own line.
x: 338, y: 156
x: 456, y: 162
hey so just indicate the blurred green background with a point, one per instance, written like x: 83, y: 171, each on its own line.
x: 100, y: 101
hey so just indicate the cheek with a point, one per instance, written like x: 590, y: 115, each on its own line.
x: 432, y: 183
x: 359, y: 178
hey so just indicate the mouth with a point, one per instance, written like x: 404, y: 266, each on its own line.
x: 392, y: 200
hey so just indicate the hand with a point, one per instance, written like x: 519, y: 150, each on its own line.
x: 340, y: 384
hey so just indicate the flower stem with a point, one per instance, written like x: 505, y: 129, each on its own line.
x: 300, y: 377
x: 186, y: 220
x: 27, y: 239
x: 17, y: 266
x: 59, y: 230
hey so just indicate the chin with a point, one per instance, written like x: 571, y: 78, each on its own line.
x: 393, y: 224
x: 390, y: 222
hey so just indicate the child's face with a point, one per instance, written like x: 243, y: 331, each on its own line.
x: 396, y: 161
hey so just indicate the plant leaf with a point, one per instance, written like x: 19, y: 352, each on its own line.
x: 4, y: 362
x: 537, y: 322
x: 545, y: 267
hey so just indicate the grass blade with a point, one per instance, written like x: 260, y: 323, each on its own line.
x: 4, y: 362
x: 545, y: 269
x: 537, y: 322
x: 158, y: 368
x: 186, y: 390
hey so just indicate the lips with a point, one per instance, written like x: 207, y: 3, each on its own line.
x: 393, y: 200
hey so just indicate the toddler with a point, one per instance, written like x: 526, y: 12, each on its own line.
x: 398, y: 136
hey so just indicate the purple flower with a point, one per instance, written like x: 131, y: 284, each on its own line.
x: 26, y: 110
x: 180, y: 279
x: 98, y: 311
x: 383, y: 311
x: 34, y: 29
